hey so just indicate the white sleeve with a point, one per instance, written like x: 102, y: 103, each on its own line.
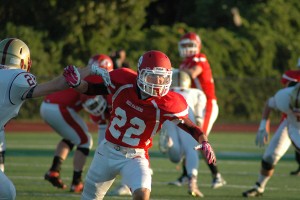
x: 22, y: 83
x: 282, y: 100
x: 199, y: 106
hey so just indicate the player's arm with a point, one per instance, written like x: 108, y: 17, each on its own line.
x: 262, y: 136
x: 187, y: 125
x: 84, y: 86
x: 44, y: 89
x: 193, y: 71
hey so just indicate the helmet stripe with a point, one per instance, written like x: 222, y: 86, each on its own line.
x: 5, y: 51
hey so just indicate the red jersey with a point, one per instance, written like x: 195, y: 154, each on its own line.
x: 68, y: 98
x: 133, y: 120
x: 204, y: 81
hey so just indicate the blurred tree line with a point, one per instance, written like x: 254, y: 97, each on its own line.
x: 249, y: 43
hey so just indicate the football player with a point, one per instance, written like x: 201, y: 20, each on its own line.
x: 174, y: 141
x: 279, y: 143
x: 17, y: 84
x: 60, y: 111
x: 141, y: 104
x: 197, y: 66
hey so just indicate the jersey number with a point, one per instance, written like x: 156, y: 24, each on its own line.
x: 137, y: 128
x: 30, y: 79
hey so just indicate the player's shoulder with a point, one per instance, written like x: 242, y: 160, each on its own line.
x: 24, y: 79
x: 123, y: 75
x: 174, y: 101
x: 200, y: 57
x: 284, y: 93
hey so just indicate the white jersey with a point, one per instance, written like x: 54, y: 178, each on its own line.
x: 14, y: 83
x: 281, y: 102
x: 196, y: 100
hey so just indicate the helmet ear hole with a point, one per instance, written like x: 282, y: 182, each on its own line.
x: 22, y: 64
x: 21, y: 51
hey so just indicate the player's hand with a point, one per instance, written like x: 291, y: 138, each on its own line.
x: 262, y: 136
x: 208, y: 151
x: 72, y: 76
x: 96, y: 70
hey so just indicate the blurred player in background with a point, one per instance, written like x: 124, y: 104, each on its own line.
x: 279, y: 143
x: 16, y: 85
x: 60, y: 111
x: 141, y: 104
x: 198, y: 67
x: 174, y: 141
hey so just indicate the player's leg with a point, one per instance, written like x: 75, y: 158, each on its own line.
x: 78, y: 134
x: 7, y: 188
x: 101, y: 174
x: 137, y: 175
x: 297, y: 158
x: 211, y: 114
x: 294, y: 134
x: 2, y: 149
x: 278, y: 146
x: 191, y: 162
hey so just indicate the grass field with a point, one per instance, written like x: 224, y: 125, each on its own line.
x: 29, y: 156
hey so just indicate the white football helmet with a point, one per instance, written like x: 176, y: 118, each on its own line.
x: 95, y: 106
x: 154, y: 73
x: 14, y: 54
x: 189, y: 45
x: 181, y: 79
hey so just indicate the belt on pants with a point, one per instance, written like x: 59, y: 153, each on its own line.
x: 125, y: 150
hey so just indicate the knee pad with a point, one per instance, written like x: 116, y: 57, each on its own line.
x: 69, y: 143
x: 85, y: 151
x: 266, y: 165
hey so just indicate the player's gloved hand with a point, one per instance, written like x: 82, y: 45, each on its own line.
x: 208, y: 151
x: 72, y: 76
x: 262, y: 136
x: 96, y: 70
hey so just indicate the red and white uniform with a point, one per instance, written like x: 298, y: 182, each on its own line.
x: 204, y: 82
x: 13, y: 85
x: 133, y: 122
x: 60, y: 111
x: 280, y: 142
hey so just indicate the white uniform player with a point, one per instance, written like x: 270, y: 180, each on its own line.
x: 17, y: 85
x: 280, y: 142
x: 173, y: 140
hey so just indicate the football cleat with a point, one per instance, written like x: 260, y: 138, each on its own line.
x: 54, y: 178
x: 78, y: 188
x: 252, y: 193
x: 121, y: 190
x: 296, y: 172
x: 218, y: 182
x: 182, y: 180
x: 193, y: 188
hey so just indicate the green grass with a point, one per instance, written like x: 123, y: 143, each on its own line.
x: 29, y: 156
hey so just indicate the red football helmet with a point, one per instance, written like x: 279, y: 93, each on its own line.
x: 189, y: 45
x: 103, y: 61
x: 290, y: 76
x: 154, y: 73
